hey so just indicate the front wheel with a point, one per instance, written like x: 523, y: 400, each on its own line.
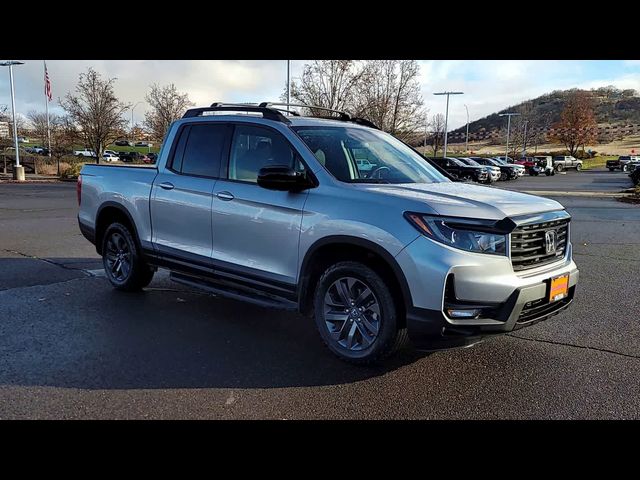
x: 356, y: 314
x: 578, y: 167
x: 625, y: 168
x: 123, y: 265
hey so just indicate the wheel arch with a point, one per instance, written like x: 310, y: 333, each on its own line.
x: 108, y: 213
x: 336, y: 248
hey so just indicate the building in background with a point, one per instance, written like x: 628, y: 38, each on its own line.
x: 4, y: 130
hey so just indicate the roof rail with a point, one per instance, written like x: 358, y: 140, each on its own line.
x: 267, y: 113
x: 344, y: 116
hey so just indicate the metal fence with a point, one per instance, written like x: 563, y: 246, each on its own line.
x: 482, y: 134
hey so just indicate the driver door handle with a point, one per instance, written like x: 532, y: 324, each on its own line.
x: 226, y: 196
x: 167, y: 185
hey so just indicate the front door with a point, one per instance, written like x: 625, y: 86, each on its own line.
x: 256, y: 231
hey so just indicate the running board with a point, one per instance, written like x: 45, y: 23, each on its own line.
x: 234, y: 291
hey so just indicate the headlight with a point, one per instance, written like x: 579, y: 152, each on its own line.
x: 458, y: 233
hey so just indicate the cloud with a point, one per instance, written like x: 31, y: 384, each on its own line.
x: 488, y: 85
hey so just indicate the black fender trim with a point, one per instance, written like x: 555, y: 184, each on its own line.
x: 122, y: 209
x: 359, y: 242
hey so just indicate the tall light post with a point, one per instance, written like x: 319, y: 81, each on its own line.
x: 524, y: 140
x: 288, y: 83
x: 132, y: 108
x: 508, y: 115
x: 18, y: 171
x: 466, y: 143
x: 446, y: 116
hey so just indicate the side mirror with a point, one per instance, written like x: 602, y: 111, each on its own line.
x: 283, y: 178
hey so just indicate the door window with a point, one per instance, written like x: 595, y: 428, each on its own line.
x: 199, y: 150
x: 254, y: 148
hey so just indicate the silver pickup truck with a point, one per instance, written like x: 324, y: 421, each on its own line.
x: 252, y: 204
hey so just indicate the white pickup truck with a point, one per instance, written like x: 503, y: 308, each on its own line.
x: 84, y: 153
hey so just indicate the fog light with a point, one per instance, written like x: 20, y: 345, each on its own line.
x: 458, y: 313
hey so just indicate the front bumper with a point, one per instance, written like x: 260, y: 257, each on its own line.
x: 509, y: 300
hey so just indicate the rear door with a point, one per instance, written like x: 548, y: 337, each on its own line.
x: 182, y: 192
x: 256, y: 231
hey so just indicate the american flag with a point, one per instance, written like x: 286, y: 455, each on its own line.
x: 47, y: 83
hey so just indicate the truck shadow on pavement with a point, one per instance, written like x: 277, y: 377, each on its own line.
x: 80, y: 333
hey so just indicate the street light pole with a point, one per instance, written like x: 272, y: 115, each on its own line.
x: 508, y: 115
x: 288, y: 83
x: 466, y: 144
x: 446, y: 116
x: 18, y: 171
x: 132, y: 108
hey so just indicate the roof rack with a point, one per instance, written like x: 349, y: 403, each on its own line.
x: 344, y: 116
x: 268, y: 113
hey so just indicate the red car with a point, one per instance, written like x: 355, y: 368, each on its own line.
x: 526, y: 162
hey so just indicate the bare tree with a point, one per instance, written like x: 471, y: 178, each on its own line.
x: 328, y: 84
x: 389, y: 96
x: 4, y: 113
x: 38, y: 121
x: 577, y: 125
x: 96, y: 111
x: 167, y: 106
x: 436, y: 139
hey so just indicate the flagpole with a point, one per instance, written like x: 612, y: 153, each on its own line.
x: 46, y: 104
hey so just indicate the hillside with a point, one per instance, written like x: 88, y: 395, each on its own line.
x: 611, y: 105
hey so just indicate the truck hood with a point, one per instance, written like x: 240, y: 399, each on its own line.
x: 465, y: 200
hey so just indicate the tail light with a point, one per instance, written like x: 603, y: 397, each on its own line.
x: 79, y: 189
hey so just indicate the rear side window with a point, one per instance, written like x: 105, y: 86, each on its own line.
x: 199, y: 149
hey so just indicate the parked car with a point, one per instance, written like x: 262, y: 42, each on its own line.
x: 112, y: 152
x: 507, y: 172
x: 635, y: 175
x: 518, y: 169
x: 152, y: 156
x: 148, y: 159
x: 143, y: 144
x: 272, y: 210
x: 23, y: 140
x: 564, y: 162
x: 123, y: 143
x: 544, y: 164
x: 493, y: 172
x: 129, y: 157
x: 622, y: 163
x: 526, y: 162
x: 84, y: 153
x: 110, y: 157
x: 461, y: 170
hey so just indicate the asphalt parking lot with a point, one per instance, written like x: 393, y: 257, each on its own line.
x: 72, y: 347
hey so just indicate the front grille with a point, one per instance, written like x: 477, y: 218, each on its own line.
x: 528, y: 245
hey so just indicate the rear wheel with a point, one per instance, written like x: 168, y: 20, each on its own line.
x: 578, y: 167
x: 559, y: 167
x: 123, y: 265
x: 625, y: 168
x: 356, y: 314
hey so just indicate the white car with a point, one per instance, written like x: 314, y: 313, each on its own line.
x: 110, y: 157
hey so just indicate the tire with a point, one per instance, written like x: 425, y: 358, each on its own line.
x: 578, y: 167
x: 346, y: 338
x: 504, y: 177
x: 559, y: 167
x: 118, y: 245
x: 625, y: 168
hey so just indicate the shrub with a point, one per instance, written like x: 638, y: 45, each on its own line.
x: 72, y: 171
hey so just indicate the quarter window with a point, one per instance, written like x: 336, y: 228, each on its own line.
x: 202, y: 150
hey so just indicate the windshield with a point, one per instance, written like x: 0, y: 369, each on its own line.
x: 470, y: 161
x: 358, y: 155
x: 500, y: 161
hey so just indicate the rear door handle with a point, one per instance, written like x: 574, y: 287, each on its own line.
x: 226, y: 196
x: 167, y: 185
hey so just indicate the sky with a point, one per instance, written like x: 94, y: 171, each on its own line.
x: 488, y: 85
